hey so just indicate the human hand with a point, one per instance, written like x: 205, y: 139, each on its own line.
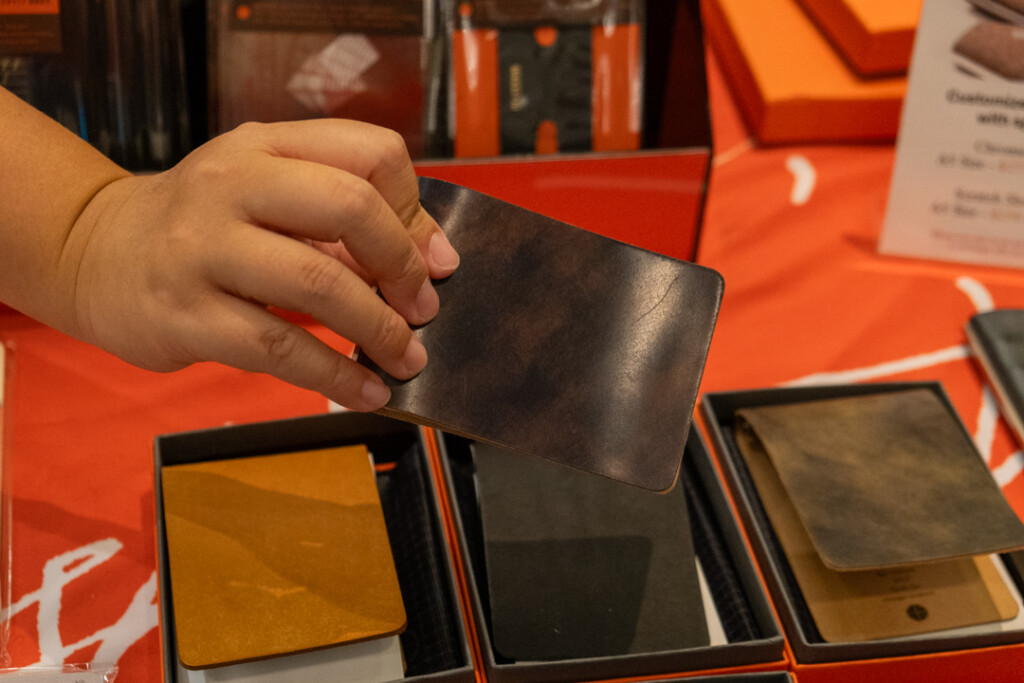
x: 179, y: 267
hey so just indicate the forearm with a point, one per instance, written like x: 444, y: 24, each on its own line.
x: 188, y: 265
x: 48, y: 176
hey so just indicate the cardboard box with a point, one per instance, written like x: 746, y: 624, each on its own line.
x: 790, y: 84
x: 988, y: 657
x: 875, y: 38
x: 755, y: 641
x: 652, y: 198
x: 435, y: 643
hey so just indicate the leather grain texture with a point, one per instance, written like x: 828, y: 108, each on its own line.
x: 559, y: 342
x: 884, y: 479
x: 278, y: 554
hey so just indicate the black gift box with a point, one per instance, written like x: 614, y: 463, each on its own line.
x: 434, y: 644
x: 755, y: 640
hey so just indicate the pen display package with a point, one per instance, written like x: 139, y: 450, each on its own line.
x: 540, y: 77
x: 109, y: 70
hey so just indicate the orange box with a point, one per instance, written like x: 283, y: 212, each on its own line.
x: 874, y: 36
x: 789, y: 82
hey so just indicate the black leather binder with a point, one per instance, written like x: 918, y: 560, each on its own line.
x: 581, y: 566
x: 997, y: 342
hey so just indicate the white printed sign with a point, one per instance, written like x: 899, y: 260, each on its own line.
x: 957, y: 191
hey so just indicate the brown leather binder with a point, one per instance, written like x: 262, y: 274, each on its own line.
x: 884, y: 479
x: 562, y: 343
x: 854, y: 606
x: 278, y: 554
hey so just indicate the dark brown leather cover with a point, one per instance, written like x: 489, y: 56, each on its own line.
x: 562, y: 343
x: 885, y: 479
x: 582, y: 566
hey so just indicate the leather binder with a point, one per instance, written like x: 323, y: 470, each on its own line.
x: 559, y: 342
x: 883, y: 480
x: 278, y: 554
x: 582, y: 566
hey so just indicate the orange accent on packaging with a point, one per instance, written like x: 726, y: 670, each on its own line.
x: 615, y: 68
x: 874, y: 36
x: 547, y: 138
x: 545, y: 35
x: 29, y: 7
x: 476, y: 93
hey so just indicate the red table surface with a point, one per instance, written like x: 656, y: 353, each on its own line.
x: 793, y: 231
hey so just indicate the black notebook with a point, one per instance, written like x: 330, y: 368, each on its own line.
x: 582, y: 566
x: 561, y: 343
x: 997, y: 342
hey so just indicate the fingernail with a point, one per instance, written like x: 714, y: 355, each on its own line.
x: 427, y: 302
x: 375, y: 393
x: 415, y: 357
x: 442, y: 253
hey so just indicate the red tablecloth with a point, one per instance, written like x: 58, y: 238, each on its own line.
x: 793, y: 231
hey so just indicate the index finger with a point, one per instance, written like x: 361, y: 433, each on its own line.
x: 379, y: 156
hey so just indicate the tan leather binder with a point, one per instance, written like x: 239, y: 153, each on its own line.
x: 278, y: 554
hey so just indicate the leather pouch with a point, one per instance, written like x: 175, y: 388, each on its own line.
x: 855, y: 606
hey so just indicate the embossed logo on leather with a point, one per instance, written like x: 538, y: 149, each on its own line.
x: 917, y: 612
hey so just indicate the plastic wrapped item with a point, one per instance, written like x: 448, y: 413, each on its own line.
x: 6, y: 367
x: 96, y: 672
x: 109, y: 70
x: 279, y: 60
x: 543, y: 76
x: 69, y: 673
